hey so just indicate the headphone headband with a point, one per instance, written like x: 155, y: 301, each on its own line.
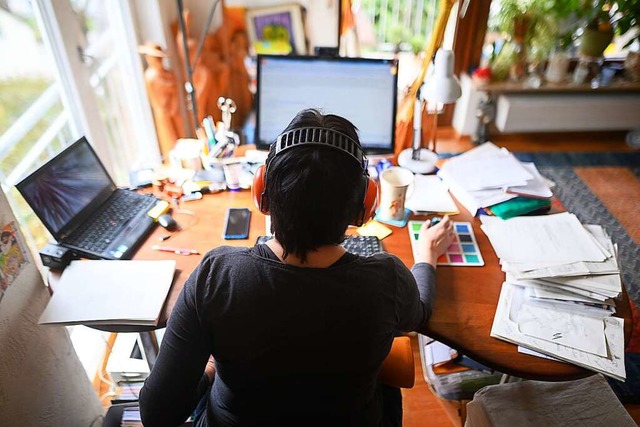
x: 320, y: 136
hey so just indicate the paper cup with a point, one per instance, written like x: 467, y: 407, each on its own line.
x: 232, y: 175
x: 186, y: 154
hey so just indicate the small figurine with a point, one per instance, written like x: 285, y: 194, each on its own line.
x: 485, y: 113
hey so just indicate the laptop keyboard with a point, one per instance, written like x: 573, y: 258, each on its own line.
x: 96, y: 235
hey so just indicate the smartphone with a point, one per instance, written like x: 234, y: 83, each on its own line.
x: 263, y: 239
x: 237, y: 223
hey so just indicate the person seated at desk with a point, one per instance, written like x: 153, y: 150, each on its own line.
x: 298, y: 327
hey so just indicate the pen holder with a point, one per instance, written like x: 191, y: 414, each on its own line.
x: 186, y: 154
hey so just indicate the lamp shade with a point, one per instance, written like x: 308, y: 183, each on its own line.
x: 442, y: 86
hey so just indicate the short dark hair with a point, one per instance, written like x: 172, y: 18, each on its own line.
x: 314, y: 192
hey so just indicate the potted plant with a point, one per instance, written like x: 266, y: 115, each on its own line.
x: 607, y: 17
x: 537, y: 27
x: 598, y: 33
x: 522, y: 25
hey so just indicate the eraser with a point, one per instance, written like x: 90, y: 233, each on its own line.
x: 161, y: 207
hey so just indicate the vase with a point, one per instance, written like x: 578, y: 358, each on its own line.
x: 557, y: 68
x: 593, y: 42
x: 632, y: 66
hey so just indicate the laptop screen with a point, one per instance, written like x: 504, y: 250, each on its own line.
x: 60, y: 191
x: 361, y: 90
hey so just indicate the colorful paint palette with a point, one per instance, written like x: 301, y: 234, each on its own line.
x: 463, y: 251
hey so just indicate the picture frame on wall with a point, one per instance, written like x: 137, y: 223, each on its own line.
x: 277, y: 30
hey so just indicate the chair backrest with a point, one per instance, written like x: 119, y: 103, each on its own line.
x: 398, y: 369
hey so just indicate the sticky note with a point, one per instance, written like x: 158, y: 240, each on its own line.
x: 374, y: 228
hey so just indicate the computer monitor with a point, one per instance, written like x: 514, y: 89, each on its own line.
x: 362, y: 90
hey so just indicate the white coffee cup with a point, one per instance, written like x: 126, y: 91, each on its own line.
x: 232, y: 172
x: 394, y: 183
x: 186, y: 154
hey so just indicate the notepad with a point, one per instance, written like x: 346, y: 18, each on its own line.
x: 110, y: 293
x: 430, y: 195
x: 463, y: 251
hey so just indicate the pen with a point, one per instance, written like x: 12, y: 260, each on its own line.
x: 179, y: 251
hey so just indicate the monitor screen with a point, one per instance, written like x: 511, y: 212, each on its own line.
x: 361, y: 90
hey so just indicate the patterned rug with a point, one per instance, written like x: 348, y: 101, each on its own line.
x: 604, y: 188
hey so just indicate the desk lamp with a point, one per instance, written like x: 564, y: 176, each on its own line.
x: 441, y: 87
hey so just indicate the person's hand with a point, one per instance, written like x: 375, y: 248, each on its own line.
x: 210, y: 369
x: 433, y: 241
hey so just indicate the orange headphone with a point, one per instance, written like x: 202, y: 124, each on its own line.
x: 319, y: 137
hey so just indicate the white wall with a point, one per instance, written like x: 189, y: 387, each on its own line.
x: 42, y: 382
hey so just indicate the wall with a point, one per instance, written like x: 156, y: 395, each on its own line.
x: 321, y: 23
x: 42, y: 382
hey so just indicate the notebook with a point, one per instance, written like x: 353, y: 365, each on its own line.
x: 118, y: 293
x: 78, y: 202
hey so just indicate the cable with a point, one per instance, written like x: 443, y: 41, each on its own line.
x: 193, y: 222
x: 96, y: 419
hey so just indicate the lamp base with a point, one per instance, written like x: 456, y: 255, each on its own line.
x: 425, y: 164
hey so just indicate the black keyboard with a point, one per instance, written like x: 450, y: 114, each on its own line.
x: 96, y: 234
x: 363, y: 245
x: 358, y: 245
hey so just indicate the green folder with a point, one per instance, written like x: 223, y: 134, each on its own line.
x: 520, y: 206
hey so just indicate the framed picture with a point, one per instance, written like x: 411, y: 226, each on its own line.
x: 277, y: 30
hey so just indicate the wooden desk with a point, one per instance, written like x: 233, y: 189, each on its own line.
x: 466, y: 297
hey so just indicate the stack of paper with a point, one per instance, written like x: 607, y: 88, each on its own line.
x: 110, y: 293
x: 558, y: 298
x: 430, y: 195
x: 487, y: 175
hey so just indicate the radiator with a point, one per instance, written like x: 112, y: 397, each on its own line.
x: 547, y: 112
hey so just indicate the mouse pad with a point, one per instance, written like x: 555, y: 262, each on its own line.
x: 463, y: 251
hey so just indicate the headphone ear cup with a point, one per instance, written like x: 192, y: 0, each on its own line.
x: 369, y: 202
x: 259, y: 190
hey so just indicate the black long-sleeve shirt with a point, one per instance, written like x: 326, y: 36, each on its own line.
x: 292, y: 346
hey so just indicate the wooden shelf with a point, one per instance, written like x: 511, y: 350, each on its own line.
x: 519, y: 87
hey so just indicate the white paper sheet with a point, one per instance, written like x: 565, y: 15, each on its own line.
x: 473, y: 200
x: 560, y: 237
x: 430, y: 195
x: 488, y: 172
x: 538, y: 186
x: 525, y: 350
x: 436, y: 352
x: 612, y: 365
x: 545, y: 284
x: 573, y: 330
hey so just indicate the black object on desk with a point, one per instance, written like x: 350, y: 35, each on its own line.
x: 358, y: 245
x: 167, y: 221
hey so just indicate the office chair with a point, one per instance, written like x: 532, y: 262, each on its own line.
x: 398, y: 369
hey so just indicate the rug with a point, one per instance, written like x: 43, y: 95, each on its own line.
x: 604, y: 188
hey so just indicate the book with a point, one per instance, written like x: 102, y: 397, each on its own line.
x: 101, y: 292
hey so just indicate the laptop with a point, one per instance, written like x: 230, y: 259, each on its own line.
x: 78, y: 202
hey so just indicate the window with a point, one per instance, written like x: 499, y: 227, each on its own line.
x: 68, y: 71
